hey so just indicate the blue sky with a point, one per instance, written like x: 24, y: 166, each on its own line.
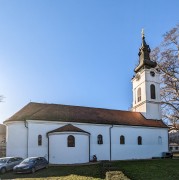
x: 76, y: 52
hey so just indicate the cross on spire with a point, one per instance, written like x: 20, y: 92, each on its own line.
x: 142, y: 32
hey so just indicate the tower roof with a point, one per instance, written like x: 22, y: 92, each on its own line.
x: 144, y: 56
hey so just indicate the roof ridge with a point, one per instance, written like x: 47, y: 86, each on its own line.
x: 83, y: 107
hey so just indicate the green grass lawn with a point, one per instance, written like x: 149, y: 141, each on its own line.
x: 163, y: 169
x: 158, y: 169
x: 58, y: 171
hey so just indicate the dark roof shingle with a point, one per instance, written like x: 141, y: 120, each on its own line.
x: 68, y: 128
x: 66, y: 113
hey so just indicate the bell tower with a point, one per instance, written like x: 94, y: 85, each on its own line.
x: 146, y: 85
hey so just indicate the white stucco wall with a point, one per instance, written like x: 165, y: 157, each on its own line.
x: 100, y: 150
x: 62, y: 154
x: 35, y: 129
x: 17, y: 142
x: 131, y: 150
x: 16, y: 139
x: 42, y: 127
x: 151, y: 108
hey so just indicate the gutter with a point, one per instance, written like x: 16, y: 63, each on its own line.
x: 26, y: 125
x: 110, y: 147
x: 48, y: 146
x: 168, y: 142
x: 89, y: 147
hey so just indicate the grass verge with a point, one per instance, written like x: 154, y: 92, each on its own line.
x: 165, y: 169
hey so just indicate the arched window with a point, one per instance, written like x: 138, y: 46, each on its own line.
x: 139, y: 95
x: 152, y: 91
x: 100, y: 139
x: 159, y: 140
x: 139, y: 139
x: 122, y: 139
x: 71, y: 141
x: 39, y: 140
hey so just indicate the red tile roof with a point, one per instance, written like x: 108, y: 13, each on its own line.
x: 66, y: 113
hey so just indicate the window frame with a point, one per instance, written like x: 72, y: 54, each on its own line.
x: 100, y: 139
x: 122, y: 139
x: 139, y: 96
x: 139, y: 140
x: 70, y: 141
x: 39, y: 140
x: 152, y: 91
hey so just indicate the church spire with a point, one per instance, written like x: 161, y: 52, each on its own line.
x: 144, y: 56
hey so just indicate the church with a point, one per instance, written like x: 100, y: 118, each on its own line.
x: 66, y: 134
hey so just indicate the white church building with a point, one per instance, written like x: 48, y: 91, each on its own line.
x: 67, y: 134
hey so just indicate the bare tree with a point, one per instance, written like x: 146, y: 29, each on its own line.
x: 167, y: 57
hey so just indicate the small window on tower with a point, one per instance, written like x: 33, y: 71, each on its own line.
x: 152, y: 91
x: 139, y: 95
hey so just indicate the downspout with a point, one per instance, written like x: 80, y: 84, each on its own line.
x: 168, y: 142
x: 110, y: 141
x: 89, y: 147
x: 48, y: 147
x: 26, y: 125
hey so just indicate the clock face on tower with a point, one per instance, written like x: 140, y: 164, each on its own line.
x: 137, y: 76
x: 152, y: 73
